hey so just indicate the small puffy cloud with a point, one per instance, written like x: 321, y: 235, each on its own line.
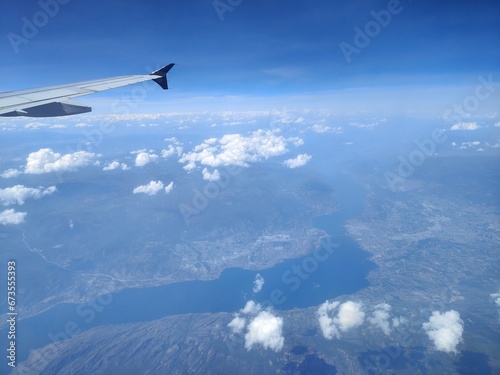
x: 445, y: 330
x: 397, y: 321
x: 349, y: 315
x: 11, y: 217
x: 170, y: 151
x: 326, y: 320
x: 366, y: 125
x: 169, y: 187
x: 318, y: 128
x: 214, y: 176
x: 150, y: 189
x: 465, y: 126
x: 237, y: 325
x: 297, y: 162
x: 19, y: 193
x: 465, y: 145
x: 10, y: 173
x: 380, y: 317
x: 497, y: 124
x: 496, y: 299
x: 251, y: 308
x: 265, y: 330
x: 46, y: 160
x: 237, y: 149
x: 115, y: 165
x: 143, y: 158
x: 296, y: 141
x: 171, y: 139
x: 258, y: 283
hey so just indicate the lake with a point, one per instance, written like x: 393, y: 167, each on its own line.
x: 338, y: 267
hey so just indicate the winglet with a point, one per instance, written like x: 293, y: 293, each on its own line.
x: 162, y: 73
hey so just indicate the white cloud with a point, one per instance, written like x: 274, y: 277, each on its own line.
x: 465, y: 145
x: 11, y: 217
x: 297, y: 162
x: 251, y: 308
x: 380, y: 317
x: 144, y: 158
x: 169, y: 187
x: 465, y: 126
x: 237, y: 149
x: 214, y: 176
x: 497, y: 124
x: 368, y: 125
x: 265, y: 330
x: 296, y: 141
x: 172, y: 139
x: 10, y: 173
x: 19, y: 193
x: 237, y: 325
x: 326, y: 321
x: 397, y: 321
x: 317, y: 128
x: 349, y: 315
x: 115, y: 165
x: 258, y: 283
x: 46, y: 160
x: 35, y: 125
x: 151, y: 189
x: 171, y: 150
x: 496, y: 299
x: 445, y: 330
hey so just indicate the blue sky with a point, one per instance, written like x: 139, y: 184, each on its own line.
x: 260, y: 49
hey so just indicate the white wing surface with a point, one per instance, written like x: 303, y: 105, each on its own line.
x: 54, y: 101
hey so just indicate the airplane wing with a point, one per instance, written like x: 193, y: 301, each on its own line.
x: 54, y: 101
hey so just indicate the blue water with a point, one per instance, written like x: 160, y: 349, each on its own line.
x: 338, y: 267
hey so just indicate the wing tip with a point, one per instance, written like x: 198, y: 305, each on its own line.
x: 162, y: 73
